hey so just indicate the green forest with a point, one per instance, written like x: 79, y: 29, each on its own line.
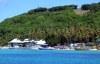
x: 56, y: 25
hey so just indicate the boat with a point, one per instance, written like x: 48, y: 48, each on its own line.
x: 47, y: 48
x: 36, y: 47
x: 93, y: 49
x: 5, y: 47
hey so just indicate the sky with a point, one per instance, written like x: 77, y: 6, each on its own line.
x: 10, y: 8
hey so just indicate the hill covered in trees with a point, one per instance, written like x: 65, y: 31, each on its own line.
x: 57, y: 25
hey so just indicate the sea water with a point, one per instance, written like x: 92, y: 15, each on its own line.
x: 28, y: 56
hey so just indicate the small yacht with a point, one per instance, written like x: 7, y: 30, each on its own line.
x: 46, y: 48
x: 5, y: 47
x: 35, y: 47
x: 93, y: 49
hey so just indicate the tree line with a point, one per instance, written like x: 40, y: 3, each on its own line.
x: 92, y: 7
x: 57, y: 8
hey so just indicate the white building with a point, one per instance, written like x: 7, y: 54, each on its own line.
x: 41, y: 42
x: 16, y: 43
x: 29, y: 43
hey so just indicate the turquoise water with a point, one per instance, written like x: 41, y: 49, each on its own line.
x: 49, y: 57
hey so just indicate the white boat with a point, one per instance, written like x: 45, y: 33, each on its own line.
x: 47, y: 48
x: 5, y: 47
x: 36, y: 47
x: 93, y: 49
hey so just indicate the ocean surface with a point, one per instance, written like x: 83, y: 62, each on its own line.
x: 20, y: 56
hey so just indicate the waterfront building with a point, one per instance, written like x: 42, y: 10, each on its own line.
x: 29, y: 43
x: 26, y: 43
x: 16, y: 43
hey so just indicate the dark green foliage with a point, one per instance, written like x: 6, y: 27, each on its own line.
x: 85, y: 7
x: 4, y: 31
x: 31, y: 11
x: 95, y: 7
x: 92, y: 7
x: 40, y: 9
x: 52, y: 40
x: 37, y: 10
x: 57, y: 8
x: 73, y: 6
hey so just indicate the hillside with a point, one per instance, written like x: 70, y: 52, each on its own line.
x: 55, y: 26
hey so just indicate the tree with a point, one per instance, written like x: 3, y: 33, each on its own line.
x: 52, y: 40
x: 92, y: 7
x: 57, y: 8
x: 85, y: 7
x: 73, y: 6
x: 40, y: 9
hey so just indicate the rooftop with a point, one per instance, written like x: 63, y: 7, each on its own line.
x: 16, y: 40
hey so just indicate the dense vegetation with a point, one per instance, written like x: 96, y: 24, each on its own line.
x: 93, y: 7
x: 57, y: 25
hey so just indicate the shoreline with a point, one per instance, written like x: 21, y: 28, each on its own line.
x: 2, y: 48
